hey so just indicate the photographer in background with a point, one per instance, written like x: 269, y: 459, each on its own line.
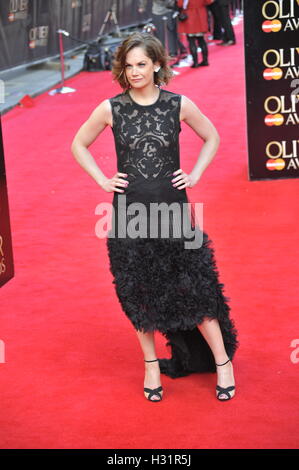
x: 160, y: 9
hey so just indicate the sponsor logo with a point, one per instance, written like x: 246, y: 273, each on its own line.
x: 282, y: 155
x: 76, y: 3
x: 280, y: 15
x: 86, y: 22
x: 281, y: 110
x: 38, y: 36
x: 18, y: 10
x: 281, y: 63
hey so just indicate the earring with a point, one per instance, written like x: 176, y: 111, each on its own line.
x: 157, y: 70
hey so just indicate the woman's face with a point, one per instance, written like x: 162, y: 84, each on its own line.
x: 139, y: 68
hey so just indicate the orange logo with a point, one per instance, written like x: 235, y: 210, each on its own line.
x: 274, y: 119
x: 277, y: 164
x: 273, y: 26
x: 272, y: 74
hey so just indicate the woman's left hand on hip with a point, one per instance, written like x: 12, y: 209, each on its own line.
x: 181, y: 180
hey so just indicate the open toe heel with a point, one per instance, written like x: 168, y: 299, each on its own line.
x: 153, y: 391
x: 225, y: 390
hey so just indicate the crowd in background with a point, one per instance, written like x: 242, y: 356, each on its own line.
x: 193, y: 19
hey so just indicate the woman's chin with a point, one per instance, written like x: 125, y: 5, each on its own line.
x: 137, y: 83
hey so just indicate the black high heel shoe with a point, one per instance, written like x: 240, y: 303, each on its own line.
x: 226, y: 390
x: 153, y: 391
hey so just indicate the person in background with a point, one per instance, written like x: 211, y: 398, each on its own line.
x: 195, y: 27
x: 182, y: 49
x: 216, y: 15
x: 160, y: 9
x: 229, y: 38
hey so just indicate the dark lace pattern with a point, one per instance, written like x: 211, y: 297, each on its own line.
x: 147, y: 147
x: 146, y: 137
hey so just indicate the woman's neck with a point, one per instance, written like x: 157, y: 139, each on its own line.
x: 145, y: 95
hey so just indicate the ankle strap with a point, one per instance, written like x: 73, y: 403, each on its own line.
x: 154, y: 360
x: 223, y: 363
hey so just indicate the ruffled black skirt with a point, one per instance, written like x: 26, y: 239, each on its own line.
x: 162, y: 286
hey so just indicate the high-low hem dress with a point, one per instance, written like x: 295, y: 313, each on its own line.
x: 160, y: 284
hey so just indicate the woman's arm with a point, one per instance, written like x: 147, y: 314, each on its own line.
x: 204, y: 128
x: 86, y: 135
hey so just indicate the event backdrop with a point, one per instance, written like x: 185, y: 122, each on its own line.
x: 28, y: 27
x: 6, y: 256
x: 272, y: 84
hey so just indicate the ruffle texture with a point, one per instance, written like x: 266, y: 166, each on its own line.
x: 164, y: 287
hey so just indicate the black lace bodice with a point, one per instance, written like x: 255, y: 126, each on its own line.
x: 147, y: 136
x: 147, y: 147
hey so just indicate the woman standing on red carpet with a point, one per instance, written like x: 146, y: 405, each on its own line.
x: 195, y: 27
x: 161, y: 285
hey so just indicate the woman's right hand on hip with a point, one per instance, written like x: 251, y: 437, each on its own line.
x: 115, y: 182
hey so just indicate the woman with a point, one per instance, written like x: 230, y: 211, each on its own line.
x: 161, y: 285
x: 195, y: 26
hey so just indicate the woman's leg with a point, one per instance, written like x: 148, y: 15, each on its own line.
x: 229, y: 34
x: 193, y: 50
x: 152, y: 369
x: 210, y: 329
x: 204, y: 49
x: 217, y: 32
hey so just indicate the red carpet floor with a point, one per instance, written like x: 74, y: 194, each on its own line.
x: 73, y: 371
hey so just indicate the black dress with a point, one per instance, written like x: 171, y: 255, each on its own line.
x: 162, y: 285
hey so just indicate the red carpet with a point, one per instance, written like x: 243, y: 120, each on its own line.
x: 73, y: 376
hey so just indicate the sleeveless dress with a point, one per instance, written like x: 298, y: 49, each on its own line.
x: 160, y: 284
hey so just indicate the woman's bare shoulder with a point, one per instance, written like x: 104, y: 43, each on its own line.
x: 103, y: 112
x: 187, y: 106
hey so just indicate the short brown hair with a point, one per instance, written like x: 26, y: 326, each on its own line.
x: 153, y: 49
